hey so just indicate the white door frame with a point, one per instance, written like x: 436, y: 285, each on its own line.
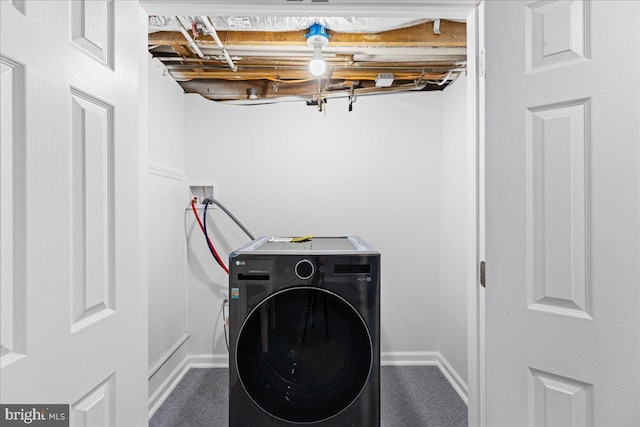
x: 472, y: 12
x: 475, y: 217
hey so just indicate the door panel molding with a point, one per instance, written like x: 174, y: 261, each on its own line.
x: 13, y: 299
x: 558, y: 214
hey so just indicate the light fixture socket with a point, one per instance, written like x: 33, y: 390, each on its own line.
x: 317, y: 34
x: 317, y: 38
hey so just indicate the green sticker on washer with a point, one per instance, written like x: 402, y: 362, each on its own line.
x: 235, y: 293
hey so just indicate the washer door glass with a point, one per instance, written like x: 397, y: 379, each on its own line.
x: 304, y: 354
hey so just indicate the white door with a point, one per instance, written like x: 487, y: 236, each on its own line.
x: 73, y: 313
x: 563, y: 213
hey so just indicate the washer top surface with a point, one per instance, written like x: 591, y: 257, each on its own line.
x: 317, y: 245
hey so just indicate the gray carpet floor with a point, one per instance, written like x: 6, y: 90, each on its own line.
x: 411, y: 396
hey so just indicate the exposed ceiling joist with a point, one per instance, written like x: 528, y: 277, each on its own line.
x: 453, y: 34
x: 299, y: 74
x: 214, y: 65
x: 181, y: 49
x: 272, y: 65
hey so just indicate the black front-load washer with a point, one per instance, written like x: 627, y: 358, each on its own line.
x: 304, y: 333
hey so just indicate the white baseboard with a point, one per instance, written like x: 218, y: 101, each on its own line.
x: 209, y: 360
x: 396, y: 358
x: 192, y: 361
x: 167, y: 354
x: 409, y: 358
x: 454, y: 379
x: 428, y: 358
x: 167, y: 386
x: 400, y: 358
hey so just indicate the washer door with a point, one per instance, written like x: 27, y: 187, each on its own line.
x: 304, y: 354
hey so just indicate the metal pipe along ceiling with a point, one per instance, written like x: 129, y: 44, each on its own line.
x: 214, y: 34
x: 184, y: 29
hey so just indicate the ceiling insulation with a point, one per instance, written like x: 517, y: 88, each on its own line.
x: 249, y: 60
x: 289, y: 23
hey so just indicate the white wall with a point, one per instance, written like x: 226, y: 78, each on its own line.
x: 452, y: 286
x: 165, y: 222
x: 287, y: 169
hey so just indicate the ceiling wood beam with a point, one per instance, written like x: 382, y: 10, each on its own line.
x: 299, y: 74
x: 238, y: 90
x: 221, y: 89
x: 181, y: 49
x: 453, y: 34
x: 276, y: 63
x: 278, y: 69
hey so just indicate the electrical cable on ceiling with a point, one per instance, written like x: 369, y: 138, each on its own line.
x: 209, y: 244
x: 217, y: 203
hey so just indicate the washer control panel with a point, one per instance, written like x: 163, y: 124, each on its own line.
x: 293, y: 270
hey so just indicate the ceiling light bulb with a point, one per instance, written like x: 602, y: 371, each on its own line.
x: 317, y: 66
